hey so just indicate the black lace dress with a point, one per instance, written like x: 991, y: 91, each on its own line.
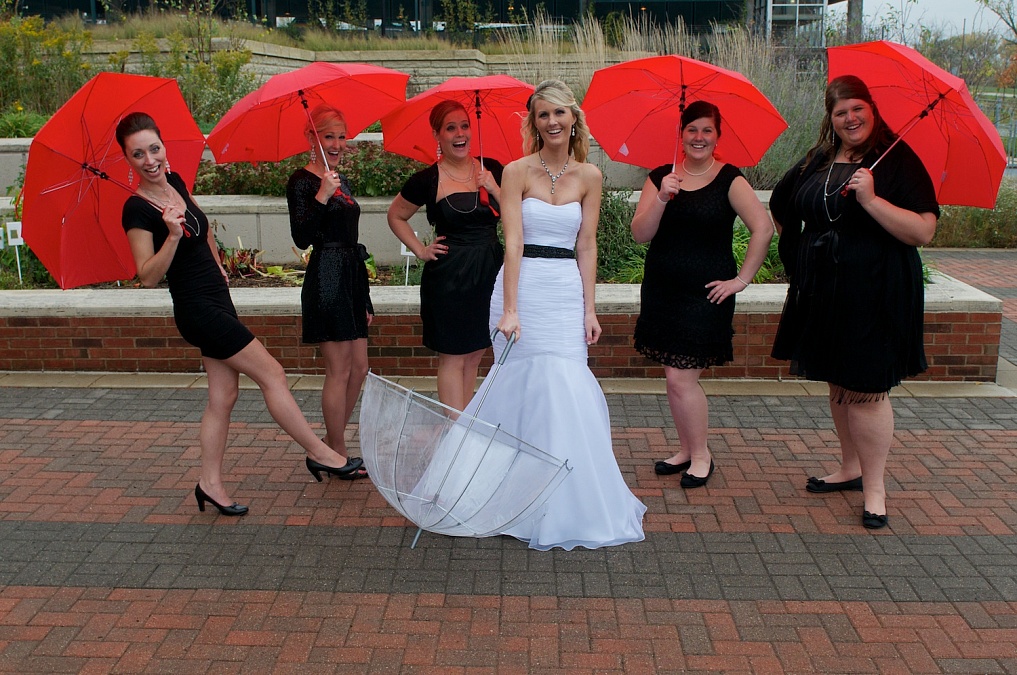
x: 336, y: 296
x: 677, y: 325
x: 455, y: 289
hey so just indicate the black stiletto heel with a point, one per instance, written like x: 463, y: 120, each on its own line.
x: 349, y: 471
x: 233, y: 509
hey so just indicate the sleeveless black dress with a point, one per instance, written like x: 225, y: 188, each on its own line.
x: 336, y: 296
x: 677, y: 325
x: 202, y: 308
x: 455, y: 289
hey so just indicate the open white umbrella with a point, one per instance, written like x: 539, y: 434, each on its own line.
x: 448, y: 472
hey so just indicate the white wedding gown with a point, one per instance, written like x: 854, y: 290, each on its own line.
x: 546, y: 395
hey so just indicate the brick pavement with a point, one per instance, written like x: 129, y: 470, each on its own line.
x: 107, y: 566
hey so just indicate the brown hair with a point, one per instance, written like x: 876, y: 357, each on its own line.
x: 441, y: 110
x: 699, y: 109
x: 131, y: 124
x: 556, y: 92
x: 844, y: 88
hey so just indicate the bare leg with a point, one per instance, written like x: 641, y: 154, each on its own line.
x: 255, y: 362
x: 345, y: 371
x: 850, y: 468
x: 871, y: 427
x: 690, y: 411
x: 223, y: 388
x: 457, y: 378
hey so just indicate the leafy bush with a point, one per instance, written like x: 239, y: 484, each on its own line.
x: 33, y: 274
x: 968, y: 227
x: 616, y: 250
x: 372, y: 173
x: 41, y: 65
x: 19, y: 123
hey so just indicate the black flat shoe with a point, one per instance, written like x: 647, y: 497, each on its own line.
x: 663, y: 468
x: 233, y: 509
x: 874, y: 522
x: 819, y: 485
x: 349, y: 471
x: 690, y: 481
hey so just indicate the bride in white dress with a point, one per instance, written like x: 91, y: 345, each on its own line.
x: 545, y: 393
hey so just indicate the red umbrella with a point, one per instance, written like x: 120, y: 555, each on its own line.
x: 634, y: 110
x: 268, y: 124
x: 498, y: 101
x: 960, y: 148
x: 76, y: 181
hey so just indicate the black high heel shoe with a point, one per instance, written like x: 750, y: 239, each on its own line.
x: 349, y: 471
x: 690, y: 481
x: 233, y: 509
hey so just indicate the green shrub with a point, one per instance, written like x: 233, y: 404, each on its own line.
x: 33, y: 274
x: 19, y: 123
x: 41, y: 65
x: 372, y: 173
x: 969, y: 227
x: 616, y: 250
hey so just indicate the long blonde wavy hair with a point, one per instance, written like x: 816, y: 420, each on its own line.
x: 556, y: 93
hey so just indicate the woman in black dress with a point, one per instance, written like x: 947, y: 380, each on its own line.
x: 855, y: 306
x: 463, y: 260
x: 170, y: 236
x: 690, y: 279
x: 335, y: 300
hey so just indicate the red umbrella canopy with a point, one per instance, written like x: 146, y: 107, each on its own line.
x: 268, y: 124
x: 634, y: 110
x: 960, y: 148
x: 500, y: 101
x: 76, y: 179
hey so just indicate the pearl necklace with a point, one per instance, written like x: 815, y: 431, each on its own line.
x: 686, y: 169
x: 554, y: 178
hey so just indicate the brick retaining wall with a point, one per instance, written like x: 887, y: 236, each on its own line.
x: 961, y: 334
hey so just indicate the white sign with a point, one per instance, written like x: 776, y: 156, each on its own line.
x: 14, y: 234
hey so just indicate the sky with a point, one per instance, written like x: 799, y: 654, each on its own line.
x: 948, y: 14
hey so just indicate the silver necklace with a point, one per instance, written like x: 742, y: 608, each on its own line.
x: 162, y: 207
x: 686, y: 169
x: 554, y: 178
x: 827, y: 194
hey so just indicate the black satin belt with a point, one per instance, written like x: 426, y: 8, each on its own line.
x: 537, y: 251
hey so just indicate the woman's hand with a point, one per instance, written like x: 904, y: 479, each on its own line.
x: 329, y: 184
x: 719, y: 291
x: 434, y: 249
x: 174, y: 219
x: 370, y: 318
x: 670, y: 185
x: 485, y: 179
x: 509, y: 324
x: 862, y: 185
x: 593, y: 330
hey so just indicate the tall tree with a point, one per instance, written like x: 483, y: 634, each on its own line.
x: 1007, y: 13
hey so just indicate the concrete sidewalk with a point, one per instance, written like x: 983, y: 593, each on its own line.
x: 107, y: 566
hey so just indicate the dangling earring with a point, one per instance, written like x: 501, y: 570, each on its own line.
x: 314, y: 155
x: 130, y: 176
x: 573, y: 131
x: 438, y: 151
x: 168, y: 168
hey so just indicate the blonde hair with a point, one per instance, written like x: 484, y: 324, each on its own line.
x: 557, y: 93
x: 323, y: 116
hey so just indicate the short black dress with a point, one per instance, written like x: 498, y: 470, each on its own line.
x: 854, y: 313
x: 455, y: 289
x: 677, y: 325
x: 202, y: 307
x: 336, y: 296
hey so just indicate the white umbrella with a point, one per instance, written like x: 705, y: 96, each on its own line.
x: 448, y: 472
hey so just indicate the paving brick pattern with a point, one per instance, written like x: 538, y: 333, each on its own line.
x: 106, y: 565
